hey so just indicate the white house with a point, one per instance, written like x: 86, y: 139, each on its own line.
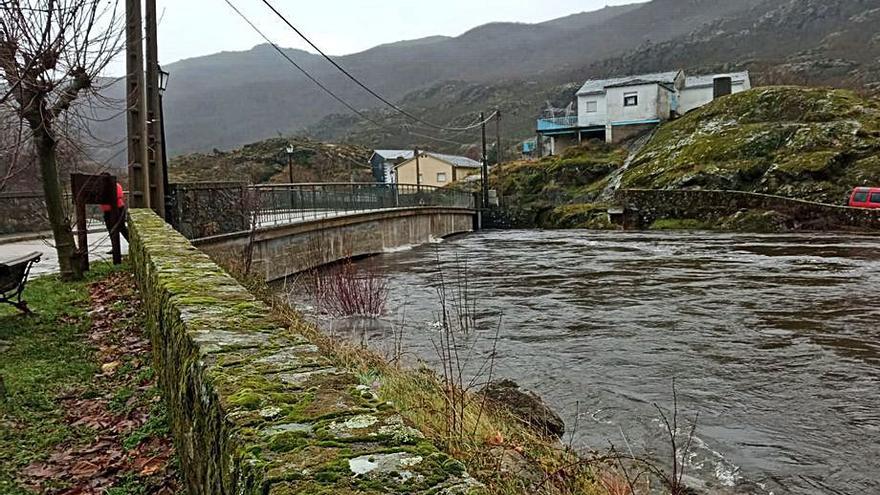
x: 618, y: 108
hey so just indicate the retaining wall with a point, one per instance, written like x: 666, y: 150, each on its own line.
x: 254, y: 407
x: 653, y: 204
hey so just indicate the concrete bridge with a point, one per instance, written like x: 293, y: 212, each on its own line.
x: 285, y: 229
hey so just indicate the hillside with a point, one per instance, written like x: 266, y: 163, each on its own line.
x: 266, y: 161
x: 807, y: 42
x: 813, y: 144
x: 804, y: 143
x: 228, y: 99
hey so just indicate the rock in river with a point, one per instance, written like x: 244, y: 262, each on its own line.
x: 525, y: 405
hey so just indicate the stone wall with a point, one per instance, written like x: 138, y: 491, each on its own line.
x: 649, y: 205
x: 285, y: 250
x: 254, y: 407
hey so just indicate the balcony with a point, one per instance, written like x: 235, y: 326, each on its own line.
x: 558, y: 124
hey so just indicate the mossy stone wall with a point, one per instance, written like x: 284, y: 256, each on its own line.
x: 255, y: 408
x: 651, y: 205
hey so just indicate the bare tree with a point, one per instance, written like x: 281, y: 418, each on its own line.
x: 52, y: 53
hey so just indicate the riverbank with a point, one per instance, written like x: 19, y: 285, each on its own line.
x: 497, y: 448
x: 80, y: 412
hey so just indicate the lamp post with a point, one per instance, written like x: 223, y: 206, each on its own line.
x: 289, y: 150
x: 164, y: 76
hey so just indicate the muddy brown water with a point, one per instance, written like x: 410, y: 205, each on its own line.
x: 774, y: 340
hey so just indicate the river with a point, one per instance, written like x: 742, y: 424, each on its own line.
x: 774, y: 340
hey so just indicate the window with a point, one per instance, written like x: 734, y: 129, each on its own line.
x: 592, y: 106
x: 421, y: 178
x: 441, y: 177
x: 860, y: 197
x: 630, y: 99
x: 875, y: 198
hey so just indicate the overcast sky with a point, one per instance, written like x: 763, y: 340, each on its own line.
x: 190, y: 28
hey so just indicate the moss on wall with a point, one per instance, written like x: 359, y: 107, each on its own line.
x: 254, y: 407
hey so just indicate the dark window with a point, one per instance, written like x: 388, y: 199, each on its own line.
x: 860, y: 197
x: 875, y: 197
x: 631, y: 100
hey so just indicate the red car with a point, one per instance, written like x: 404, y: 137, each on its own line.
x: 865, y: 197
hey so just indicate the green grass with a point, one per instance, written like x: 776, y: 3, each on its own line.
x: 45, y: 356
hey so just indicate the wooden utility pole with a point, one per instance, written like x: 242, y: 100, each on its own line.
x: 499, y: 154
x: 138, y: 185
x: 155, y: 171
x: 485, y: 174
x: 418, y: 168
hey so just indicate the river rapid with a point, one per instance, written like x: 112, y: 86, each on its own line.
x: 773, y: 340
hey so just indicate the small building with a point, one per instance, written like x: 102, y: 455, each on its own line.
x: 435, y: 169
x: 619, y: 108
x: 383, y: 161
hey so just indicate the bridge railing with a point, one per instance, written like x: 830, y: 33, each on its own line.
x: 204, y: 210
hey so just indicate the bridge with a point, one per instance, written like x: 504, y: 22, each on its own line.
x: 281, y: 230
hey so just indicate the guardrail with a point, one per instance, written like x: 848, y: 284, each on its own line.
x: 558, y: 123
x: 207, y: 209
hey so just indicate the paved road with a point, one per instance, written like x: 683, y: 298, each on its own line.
x: 99, y: 248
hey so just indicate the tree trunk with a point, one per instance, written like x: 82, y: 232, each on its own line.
x: 69, y: 260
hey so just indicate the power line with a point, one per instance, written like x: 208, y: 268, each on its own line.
x: 301, y: 69
x: 327, y: 90
x: 365, y: 87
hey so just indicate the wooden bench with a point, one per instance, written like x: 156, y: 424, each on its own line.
x: 13, y: 277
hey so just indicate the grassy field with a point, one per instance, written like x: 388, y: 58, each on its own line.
x: 80, y: 412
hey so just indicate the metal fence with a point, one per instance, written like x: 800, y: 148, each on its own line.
x: 202, y: 210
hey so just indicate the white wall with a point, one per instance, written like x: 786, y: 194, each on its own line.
x: 647, y: 108
x: 600, y: 117
x: 692, y: 98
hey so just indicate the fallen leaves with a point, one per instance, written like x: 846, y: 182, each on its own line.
x: 116, y: 410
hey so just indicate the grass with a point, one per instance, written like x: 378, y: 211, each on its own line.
x: 46, y: 356
x: 50, y: 363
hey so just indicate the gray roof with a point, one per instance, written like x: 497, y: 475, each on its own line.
x: 394, y: 154
x: 709, y: 79
x: 599, y: 85
x: 455, y: 160
x: 458, y: 161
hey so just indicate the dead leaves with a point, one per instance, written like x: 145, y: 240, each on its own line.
x: 119, y: 411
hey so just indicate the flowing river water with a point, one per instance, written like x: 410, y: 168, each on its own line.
x: 773, y: 339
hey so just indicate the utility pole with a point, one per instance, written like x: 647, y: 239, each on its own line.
x: 155, y: 170
x: 418, y: 170
x: 138, y: 185
x: 485, y: 175
x: 499, y: 154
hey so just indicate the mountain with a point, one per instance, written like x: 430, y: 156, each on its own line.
x: 232, y: 98
x: 229, y: 99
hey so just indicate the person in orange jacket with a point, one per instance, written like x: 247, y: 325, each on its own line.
x: 116, y: 222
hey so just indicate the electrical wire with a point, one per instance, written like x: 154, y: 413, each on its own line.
x: 339, y: 99
x: 299, y: 67
x: 368, y: 89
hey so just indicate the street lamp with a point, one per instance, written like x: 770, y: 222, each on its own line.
x: 290, y: 149
x: 163, y: 85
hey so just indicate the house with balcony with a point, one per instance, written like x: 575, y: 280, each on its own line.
x: 617, y: 109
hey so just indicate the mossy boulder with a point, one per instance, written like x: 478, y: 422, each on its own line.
x: 807, y: 143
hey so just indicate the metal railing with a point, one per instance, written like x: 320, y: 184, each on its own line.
x: 292, y: 203
x: 204, y: 210
x: 558, y: 123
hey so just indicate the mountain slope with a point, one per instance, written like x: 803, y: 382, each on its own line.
x: 228, y: 99
x: 816, y: 42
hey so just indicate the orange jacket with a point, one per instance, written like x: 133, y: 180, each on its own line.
x: 120, y: 199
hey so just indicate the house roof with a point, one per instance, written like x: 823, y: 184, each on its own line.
x: 709, y: 79
x: 394, y: 154
x: 599, y: 85
x: 454, y: 160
